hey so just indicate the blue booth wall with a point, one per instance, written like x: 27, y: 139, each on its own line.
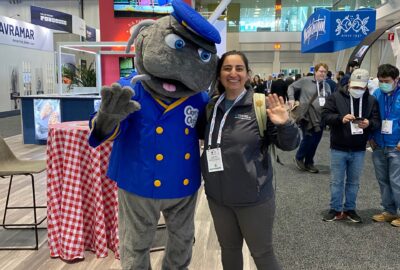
x: 72, y: 108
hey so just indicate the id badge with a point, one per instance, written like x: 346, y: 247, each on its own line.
x: 355, y: 129
x: 387, y: 127
x: 214, y: 160
x: 321, y: 101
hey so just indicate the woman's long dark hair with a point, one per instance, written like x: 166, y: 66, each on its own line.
x: 220, y: 87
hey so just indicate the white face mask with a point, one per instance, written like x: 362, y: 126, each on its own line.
x: 356, y: 93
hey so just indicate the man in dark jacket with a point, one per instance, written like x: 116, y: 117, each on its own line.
x: 331, y: 82
x: 280, y: 87
x: 352, y: 115
x: 353, y: 65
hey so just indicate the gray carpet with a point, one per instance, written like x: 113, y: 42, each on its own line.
x: 303, y: 241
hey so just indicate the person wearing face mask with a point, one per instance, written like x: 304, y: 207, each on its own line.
x: 312, y: 92
x: 352, y: 115
x: 385, y: 143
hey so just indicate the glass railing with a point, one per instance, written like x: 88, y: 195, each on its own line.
x: 265, y: 16
x: 347, y: 5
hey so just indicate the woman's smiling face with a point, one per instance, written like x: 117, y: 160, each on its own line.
x: 233, y: 74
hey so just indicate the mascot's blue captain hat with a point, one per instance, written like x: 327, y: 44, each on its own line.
x: 193, y: 21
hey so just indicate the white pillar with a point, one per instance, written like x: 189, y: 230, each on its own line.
x: 276, y: 65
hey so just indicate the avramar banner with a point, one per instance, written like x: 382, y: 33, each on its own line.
x: 23, y: 34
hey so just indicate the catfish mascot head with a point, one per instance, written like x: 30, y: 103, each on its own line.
x: 177, y: 54
x: 155, y: 156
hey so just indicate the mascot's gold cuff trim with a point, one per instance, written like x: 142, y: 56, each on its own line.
x: 173, y: 105
x: 112, y: 137
x: 92, y: 126
x: 115, y: 134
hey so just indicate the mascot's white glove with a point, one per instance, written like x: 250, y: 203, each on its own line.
x: 116, y: 105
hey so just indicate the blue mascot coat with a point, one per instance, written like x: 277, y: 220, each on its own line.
x: 156, y: 152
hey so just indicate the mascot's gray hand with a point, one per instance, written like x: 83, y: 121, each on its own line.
x: 116, y: 105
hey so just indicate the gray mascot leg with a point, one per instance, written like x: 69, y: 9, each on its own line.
x: 137, y: 223
x: 179, y: 217
x: 138, y: 218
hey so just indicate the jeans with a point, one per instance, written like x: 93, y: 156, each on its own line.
x: 387, y: 170
x: 308, y: 146
x: 349, y: 166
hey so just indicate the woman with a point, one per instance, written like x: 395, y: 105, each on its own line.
x: 258, y: 85
x: 237, y: 168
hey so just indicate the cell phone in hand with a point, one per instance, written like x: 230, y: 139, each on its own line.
x: 358, y: 120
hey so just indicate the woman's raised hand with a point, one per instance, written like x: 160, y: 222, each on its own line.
x: 276, y: 109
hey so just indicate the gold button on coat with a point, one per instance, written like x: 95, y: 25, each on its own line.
x: 187, y: 156
x: 186, y: 131
x: 157, y: 183
x: 159, y: 157
x: 186, y: 182
x: 159, y: 130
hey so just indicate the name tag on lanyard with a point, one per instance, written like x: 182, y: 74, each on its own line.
x: 321, y: 101
x: 214, y: 160
x: 321, y: 98
x: 355, y: 130
x: 214, y: 156
x: 387, y: 127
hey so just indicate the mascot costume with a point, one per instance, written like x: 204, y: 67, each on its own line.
x: 155, y: 155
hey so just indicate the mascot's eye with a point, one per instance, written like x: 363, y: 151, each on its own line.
x: 205, y: 56
x: 174, y: 41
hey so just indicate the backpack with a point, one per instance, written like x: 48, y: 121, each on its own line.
x: 259, y: 108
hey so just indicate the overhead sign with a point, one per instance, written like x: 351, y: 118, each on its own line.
x: 330, y: 31
x: 23, y: 34
x: 51, y: 19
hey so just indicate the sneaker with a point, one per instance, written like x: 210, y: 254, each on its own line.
x: 352, y: 216
x: 333, y: 215
x: 395, y: 222
x: 299, y: 164
x: 384, y: 217
x: 311, y: 168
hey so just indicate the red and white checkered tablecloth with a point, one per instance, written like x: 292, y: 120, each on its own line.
x: 82, y: 206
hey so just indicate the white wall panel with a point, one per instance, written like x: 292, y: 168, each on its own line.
x: 14, y: 57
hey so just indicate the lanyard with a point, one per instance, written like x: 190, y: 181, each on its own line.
x: 212, y: 125
x: 359, y: 106
x: 388, y: 106
x: 323, y: 88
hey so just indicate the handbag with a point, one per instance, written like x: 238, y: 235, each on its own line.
x: 298, y: 110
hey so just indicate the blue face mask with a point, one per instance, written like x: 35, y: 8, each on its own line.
x: 386, y: 87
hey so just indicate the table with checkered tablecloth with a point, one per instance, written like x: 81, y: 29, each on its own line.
x: 82, y: 206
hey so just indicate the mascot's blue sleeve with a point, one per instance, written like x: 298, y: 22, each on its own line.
x: 126, y: 81
x: 93, y: 140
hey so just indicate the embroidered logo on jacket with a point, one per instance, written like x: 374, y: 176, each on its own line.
x: 191, y: 115
x: 242, y: 116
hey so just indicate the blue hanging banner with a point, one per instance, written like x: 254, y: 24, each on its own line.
x: 331, y: 31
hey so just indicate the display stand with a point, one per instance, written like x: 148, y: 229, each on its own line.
x: 95, y: 48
